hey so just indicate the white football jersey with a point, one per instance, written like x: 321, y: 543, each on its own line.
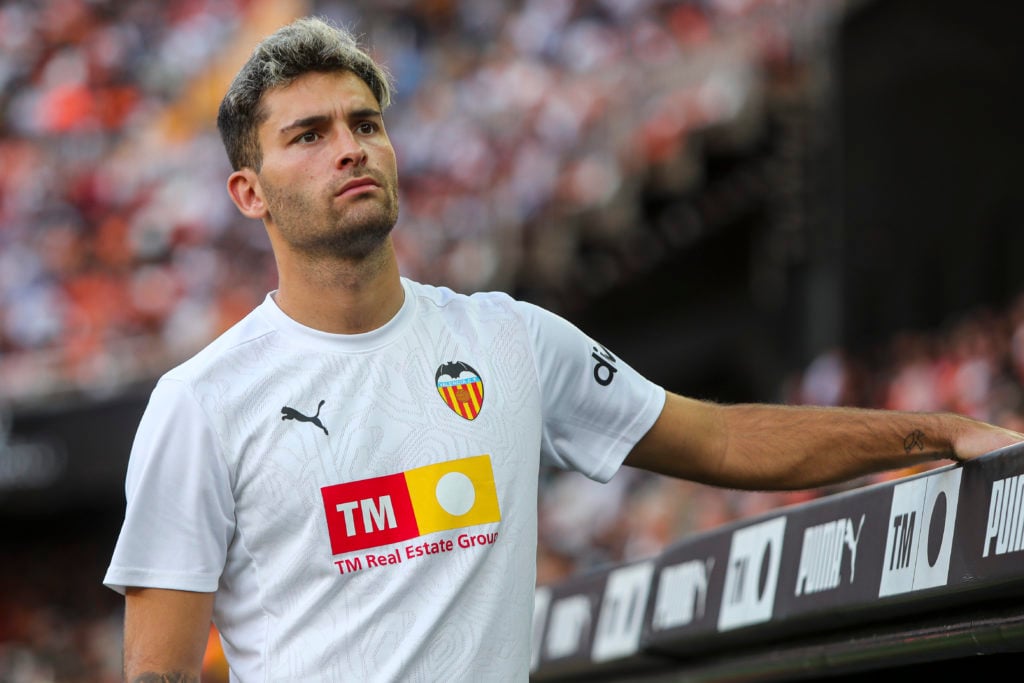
x: 365, y: 506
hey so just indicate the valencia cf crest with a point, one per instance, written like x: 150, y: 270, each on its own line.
x: 461, y: 388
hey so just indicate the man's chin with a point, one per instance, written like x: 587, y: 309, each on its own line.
x: 355, y: 243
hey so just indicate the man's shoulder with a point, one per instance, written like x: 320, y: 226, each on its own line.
x: 236, y: 341
x: 446, y: 298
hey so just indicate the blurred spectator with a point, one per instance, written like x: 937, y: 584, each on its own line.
x: 537, y: 128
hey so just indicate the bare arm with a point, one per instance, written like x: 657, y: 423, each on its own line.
x: 777, y: 447
x: 165, y: 635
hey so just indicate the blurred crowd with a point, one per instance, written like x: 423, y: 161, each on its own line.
x: 113, y: 240
x: 530, y: 135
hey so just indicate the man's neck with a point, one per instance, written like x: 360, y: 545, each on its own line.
x: 342, y: 297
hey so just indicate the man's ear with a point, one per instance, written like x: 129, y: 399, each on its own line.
x: 246, y: 193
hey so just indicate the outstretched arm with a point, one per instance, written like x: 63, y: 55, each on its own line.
x: 165, y: 635
x: 780, y: 447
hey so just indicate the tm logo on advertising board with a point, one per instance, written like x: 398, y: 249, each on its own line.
x: 752, y: 574
x: 919, y: 540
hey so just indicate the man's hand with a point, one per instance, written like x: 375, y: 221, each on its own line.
x: 978, y: 438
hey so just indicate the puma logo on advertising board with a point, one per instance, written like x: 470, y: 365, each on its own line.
x: 1004, y: 530
x: 821, y: 555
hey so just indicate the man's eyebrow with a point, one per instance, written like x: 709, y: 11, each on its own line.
x: 304, y: 122
x: 320, y: 119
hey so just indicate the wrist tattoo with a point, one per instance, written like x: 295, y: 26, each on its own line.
x: 165, y: 677
x: 913, y: 441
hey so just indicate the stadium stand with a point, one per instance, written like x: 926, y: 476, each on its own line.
x: 604, y: 149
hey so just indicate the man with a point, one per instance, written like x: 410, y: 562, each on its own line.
x: 346, y: 481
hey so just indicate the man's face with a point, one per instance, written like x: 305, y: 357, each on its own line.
x: 329, y: 176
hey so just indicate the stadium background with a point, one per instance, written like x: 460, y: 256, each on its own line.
x: 798, y: 201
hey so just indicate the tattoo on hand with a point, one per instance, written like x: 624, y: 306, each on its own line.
x: 166, y: 677
x: 914, y: 439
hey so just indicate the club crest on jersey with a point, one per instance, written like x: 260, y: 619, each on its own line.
x: 461, y: 388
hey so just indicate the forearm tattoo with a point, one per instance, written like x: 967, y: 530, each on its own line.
x: 166, y: 677
x: 913, y: 441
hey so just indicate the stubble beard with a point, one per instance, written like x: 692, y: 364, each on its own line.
x: 354, y: 234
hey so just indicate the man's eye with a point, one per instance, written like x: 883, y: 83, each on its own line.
x: 309, y: 136
x: 366, y: 128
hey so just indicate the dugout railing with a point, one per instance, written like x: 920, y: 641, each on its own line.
x: 920, y: 570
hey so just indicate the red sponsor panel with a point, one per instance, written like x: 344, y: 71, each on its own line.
x: 369, y: 513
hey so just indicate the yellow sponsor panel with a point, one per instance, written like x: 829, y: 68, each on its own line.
x: 453, y: 494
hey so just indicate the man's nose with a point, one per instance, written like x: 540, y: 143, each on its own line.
x: 349, y: 150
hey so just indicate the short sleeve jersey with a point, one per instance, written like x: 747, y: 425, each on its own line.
x: 365, y: 506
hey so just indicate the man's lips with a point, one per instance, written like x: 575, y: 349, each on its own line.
x: 357, y: 186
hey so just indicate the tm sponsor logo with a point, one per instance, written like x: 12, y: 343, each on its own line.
x: 413, y: 551
x: 386, y: 511
x: 919, y: 542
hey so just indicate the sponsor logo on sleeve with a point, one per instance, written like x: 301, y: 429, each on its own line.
x: 919, y: 540
x: 399, y: 507
x: 1004, y: 529
x: 604, y: 365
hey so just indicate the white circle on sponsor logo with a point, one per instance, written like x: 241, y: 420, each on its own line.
x: 455, y: 493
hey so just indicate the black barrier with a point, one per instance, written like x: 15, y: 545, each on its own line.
x: 66, y: 456
x: 873, y: 558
